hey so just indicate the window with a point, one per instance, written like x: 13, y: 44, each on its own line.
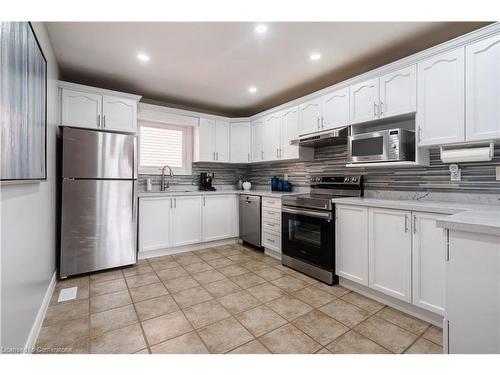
x: 164, y: 144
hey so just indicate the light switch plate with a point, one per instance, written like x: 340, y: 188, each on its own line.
x: 67, y: 294
x: 497, y: 173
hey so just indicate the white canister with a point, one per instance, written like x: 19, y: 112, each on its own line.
x: 247, y: 185
x: 149, y: 185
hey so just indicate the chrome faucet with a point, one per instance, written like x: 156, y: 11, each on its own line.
x: 164, y: 185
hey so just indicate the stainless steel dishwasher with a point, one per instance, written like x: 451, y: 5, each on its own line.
x: 250, y: 219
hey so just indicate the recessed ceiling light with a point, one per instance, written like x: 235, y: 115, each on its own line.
x: 315, y: 56
x: 252, y: 89
x: 142, y: 57
x: 260, y: 29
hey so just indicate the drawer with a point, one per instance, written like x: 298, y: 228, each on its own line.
x: 271, y: 213
x: 271, y: 202
x: 271, y: 225
x: 271, y: 241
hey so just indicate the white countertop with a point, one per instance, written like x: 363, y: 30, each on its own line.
x: 462, y: 216
x: 262, y: 193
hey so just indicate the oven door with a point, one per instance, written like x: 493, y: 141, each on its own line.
x: 369, y: 147
x: 308, y: 235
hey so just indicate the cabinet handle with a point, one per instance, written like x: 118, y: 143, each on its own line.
x: 322, y: 122
x: 381, y: 107
x: 419, y: 134
x: 248, y: 156
x: 213, y: 156
x: 98, y: 121
x: 406, y: 223
x: 204, y: 202
x: 217, y: 155
x: 277, y: 153
x: 261, y: 155
x: 447, y: 252
x: 171, y: 202
x: 374, y: 109
x: 414, y: 223
x: 175, y: 202
x: 318, y: 123
x: 104, y: 121
x: 270, y: 240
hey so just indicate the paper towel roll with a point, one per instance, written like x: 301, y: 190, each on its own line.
x: 460, y: 155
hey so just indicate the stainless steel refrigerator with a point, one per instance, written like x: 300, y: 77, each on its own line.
x: 98, y: 176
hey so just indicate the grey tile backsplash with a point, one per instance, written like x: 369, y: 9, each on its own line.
x: 476, y: 177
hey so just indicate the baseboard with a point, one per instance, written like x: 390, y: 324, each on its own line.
x: 405, y: 307
x: 186, y: 248
x: 40, y: 316
x: 272, y: 253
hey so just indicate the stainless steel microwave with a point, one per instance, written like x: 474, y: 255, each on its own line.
x: 385, y: 145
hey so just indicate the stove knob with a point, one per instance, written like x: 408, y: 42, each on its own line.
x: 318, y: 179
x: 354, y: 179
x: 347, y: 179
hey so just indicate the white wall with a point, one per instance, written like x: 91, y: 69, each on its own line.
x: 28, y: 219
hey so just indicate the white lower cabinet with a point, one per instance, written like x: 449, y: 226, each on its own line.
x: 220, y: 217
x: 399, y: 253
x: 351, y: 243
x: 154, y: 224
x: 473, y: 293
x: 186, y: 220
x: 271, y: 224
x: 389, y: 252
x: 429, y: 244
x: 166, y: 222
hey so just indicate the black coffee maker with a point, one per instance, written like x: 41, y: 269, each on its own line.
x: 206, y: 181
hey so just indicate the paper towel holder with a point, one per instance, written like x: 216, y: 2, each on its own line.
x: 469, y: 152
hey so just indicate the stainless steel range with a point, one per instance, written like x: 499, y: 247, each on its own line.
x: 308, y: 225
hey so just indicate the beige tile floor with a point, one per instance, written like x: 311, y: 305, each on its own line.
x: 227, y: 299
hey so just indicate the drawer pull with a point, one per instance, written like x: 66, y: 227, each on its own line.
x: 270, y: 240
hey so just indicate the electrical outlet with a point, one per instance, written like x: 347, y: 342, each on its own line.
x: 497, y: 173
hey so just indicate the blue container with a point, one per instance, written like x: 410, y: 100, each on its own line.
x: 274, y: 183
x: 280, y: 185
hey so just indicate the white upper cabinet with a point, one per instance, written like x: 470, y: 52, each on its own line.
x: 398, y: 92
x: 222, y: 140
x: 79, y: 108
x: 483, y: 90
x: 211, y: 140
x: 258, y: 140
x: 220, y: 216
x: 90, y: 107
x: 186, y: 220
x: 440, y: 99
x: 351, y: 243
x: 240, y: 142
x: 289, y: 131
x: 335, y: 109
x: 429, y: 246
x: 119, y: 113
x: 310, y: 117
x: 204, y: 140
x: 364, y: 101
x: 390, y: 252
x: 272, y: 140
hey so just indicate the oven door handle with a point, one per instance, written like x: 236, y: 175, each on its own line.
x: 320, y: 215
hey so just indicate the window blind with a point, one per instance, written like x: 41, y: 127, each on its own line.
x: 160, y: 146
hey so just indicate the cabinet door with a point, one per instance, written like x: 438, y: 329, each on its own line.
x: 154, y: 224
x: 483, y: 90
x: 272, y: 137
x: 390, y: 252
x: 289, y: 131
x: 222, y: 141
x: 473, y: 293
x: 364, y: 101
x: 310, y: 117
x: 429, y: 246
x: 351, y: 243
x: 119, y: 114
x: 440, y: 99
x: 240, y: 142
x: 335, y: 109
x: 186, y: 220
x: 258, y: 140
x: 206, y: 140
x: 219, y: 217
x: 81, y: 109
x: 398, y: 92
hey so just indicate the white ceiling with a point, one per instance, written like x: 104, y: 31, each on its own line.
x: 211, y: 65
